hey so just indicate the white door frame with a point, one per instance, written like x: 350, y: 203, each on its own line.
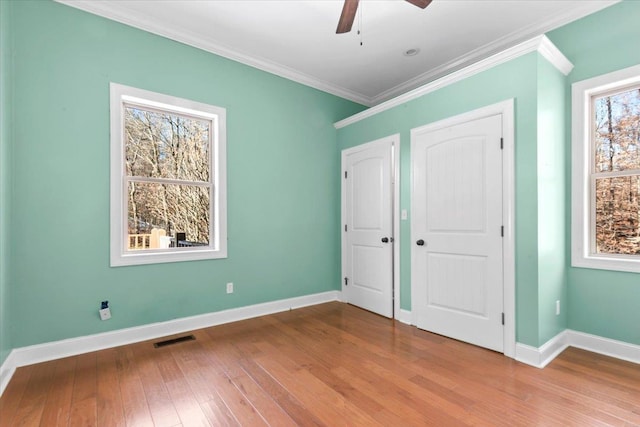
x: 394, y: 143
x: 505, y: 108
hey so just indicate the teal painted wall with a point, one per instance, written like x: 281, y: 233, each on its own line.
x: 283, y: 181
x: 516, y: 79
x: 598, y: 302
x: 5, y: 187
x: 283, y: 172
x: 552, y: 212
x: 602, y: 42
x: 601, y: 302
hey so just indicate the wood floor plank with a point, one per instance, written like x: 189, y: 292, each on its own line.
x: 57, y: 408
x: 314, y: 361
x: 260, y: 400
x: 242, y: 409
x: 618, y: 371
x: 10, y: 399
x: 217, y: 413
x: 35, y: 395
x: 85, y: 384
x: 109, y: 408
x: 84, y: 406
x: 203, y: 373
x: 326, y: 404
x: 201, y: 376
x: 586, y: 403
x: 325, y: 365
x: 83, y: 413
x: 188, y: 358
x: 566, y: 378
x: 426, y: 405
x: 184, y: 400
x: 289, y: 403
x: 401, y: 411
x: 134, y: 400
x: 157, y: 395
x: 246, y: 407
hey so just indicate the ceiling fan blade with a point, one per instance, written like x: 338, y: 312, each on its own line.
x: 347, y: 16
x: 420, y: 3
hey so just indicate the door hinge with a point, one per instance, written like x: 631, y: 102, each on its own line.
x: 502, y: 143
x: 345, y: 227
x: 502, y: 231
x: 503, y: 318
x: 345, y: 174
x: 346, y: 281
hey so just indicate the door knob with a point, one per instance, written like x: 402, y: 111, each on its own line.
x: 385, y: 240
x: 420, y: 242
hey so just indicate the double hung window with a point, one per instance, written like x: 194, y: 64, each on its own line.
x: 606, y: 172
x: 168, y: 199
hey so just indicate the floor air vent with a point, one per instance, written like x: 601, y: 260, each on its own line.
x: 174, y: 341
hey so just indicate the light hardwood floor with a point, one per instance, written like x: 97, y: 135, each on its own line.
x: 331, y: 364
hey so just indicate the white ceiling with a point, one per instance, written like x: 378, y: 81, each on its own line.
x: 296, y: 38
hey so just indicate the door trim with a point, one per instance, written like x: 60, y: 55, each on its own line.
x: 506, y: 109
x: 394, y: 143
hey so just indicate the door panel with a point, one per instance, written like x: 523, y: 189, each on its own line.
x: 368, y: 205
x: 367, y: 180
x: 449, y: 275
x: 457, y: 212
x: 455, y: 199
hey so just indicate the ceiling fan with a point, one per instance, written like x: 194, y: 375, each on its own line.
x: 351, y: 6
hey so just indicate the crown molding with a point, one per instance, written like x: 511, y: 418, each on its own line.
x: 503, y: 43
x: 540, y: 44
x: 552, y: 54
x: 106, y: 9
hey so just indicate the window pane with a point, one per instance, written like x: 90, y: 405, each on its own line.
x: 618, y: 215
x: 617, y: 131
x: 167, y: 215
x: 165, y: 145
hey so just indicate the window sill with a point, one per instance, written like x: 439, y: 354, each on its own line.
x: 607, y: 263
x: 120, y: 260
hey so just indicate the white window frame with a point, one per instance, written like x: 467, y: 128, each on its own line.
x: 217, y: 248
x: 583, y: 204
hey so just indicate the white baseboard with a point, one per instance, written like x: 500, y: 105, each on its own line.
x: 542, y: 356
x: 608, y: 347
x: 404, y: 316
x: 538, y: 357
x: 7, y: 370
x: 70, y: 347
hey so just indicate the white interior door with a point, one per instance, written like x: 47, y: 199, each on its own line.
x: 368, y: 232
x: 456, y: 228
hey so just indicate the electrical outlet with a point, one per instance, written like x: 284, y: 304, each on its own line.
x: 229, y: 288
x: 105, y: 313
x: 557, y: 307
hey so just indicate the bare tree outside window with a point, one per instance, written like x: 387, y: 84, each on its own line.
x: 168, y: 192
x: 616, y: 172
x: 168, y: 185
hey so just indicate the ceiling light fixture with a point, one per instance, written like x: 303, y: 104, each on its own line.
x: 411, y: 52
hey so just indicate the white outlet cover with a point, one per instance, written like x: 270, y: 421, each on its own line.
x: 105, y: 313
